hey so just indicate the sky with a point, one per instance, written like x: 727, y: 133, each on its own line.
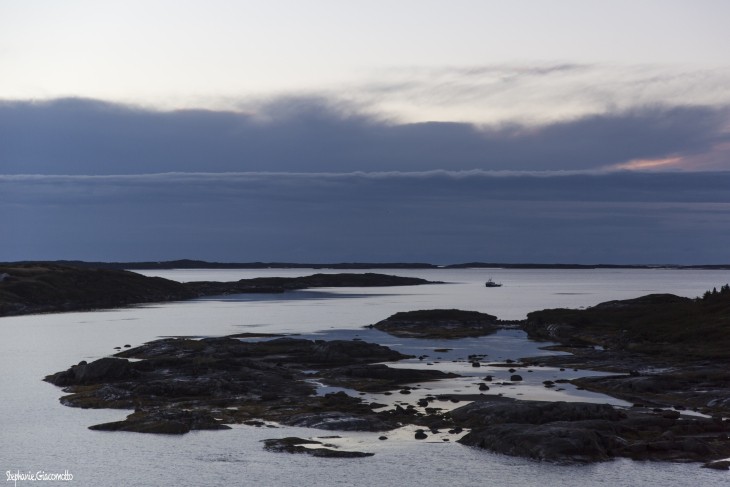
x: 563, y: 131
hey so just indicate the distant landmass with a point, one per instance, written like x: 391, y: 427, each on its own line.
x: 201, y: 264
x: 46, y: 287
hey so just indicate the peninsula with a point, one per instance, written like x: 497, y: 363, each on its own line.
x: 48, y: 287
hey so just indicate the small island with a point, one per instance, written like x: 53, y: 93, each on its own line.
x: 438, y: 323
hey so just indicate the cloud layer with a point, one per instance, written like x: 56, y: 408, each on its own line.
x: 317, y: 180
x: 439, y: 216
x: 538, y: 93
x: 79, y: 136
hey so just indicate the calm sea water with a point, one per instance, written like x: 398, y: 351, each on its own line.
x: 37, y: 433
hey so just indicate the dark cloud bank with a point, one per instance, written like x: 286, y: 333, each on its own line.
x: 87, y: 180
x: 76, y: 136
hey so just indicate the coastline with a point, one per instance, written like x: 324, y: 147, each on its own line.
x: 652, y: 428
x: 464, y: 399
x: 202, y: 264
x: 34, y: 288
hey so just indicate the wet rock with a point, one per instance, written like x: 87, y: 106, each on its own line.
x: 559, y: 442
x: 378, y: 377
x: 420, y: 434
x: 339, y: 421
x: 582, y: 432
x: 670, y: 414
x: 493, y: 411
x: 718, y: 465
x: 103, y: 370
x: 296, y: 445
x: 347, y: 352
x: 164, y: 421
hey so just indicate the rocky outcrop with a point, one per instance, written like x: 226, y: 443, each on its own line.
x: 701, y: 388
x: 438, y: 323
x: 164, y: 421
x: 102, y: 370
x: 567, y: 433
x: 667, y: 351
x: 658, y: 325
x: 490, y: 412
x: 560, y: 442
x: 176, y: 385
x: 41, y: 288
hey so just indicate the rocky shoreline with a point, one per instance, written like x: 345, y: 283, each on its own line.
x: 176, y: 385
x: 666, y: 351
x: 667, y: 355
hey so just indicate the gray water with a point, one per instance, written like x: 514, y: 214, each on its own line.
x: 40, y: 434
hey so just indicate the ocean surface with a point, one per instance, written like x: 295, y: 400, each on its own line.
x: 37, y: 433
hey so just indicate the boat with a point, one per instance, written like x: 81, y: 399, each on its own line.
x: 491, y: 283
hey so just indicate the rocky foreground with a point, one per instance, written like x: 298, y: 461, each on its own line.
x: 177, y: 385
x: 42, y: 288
x: 668, y: 355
